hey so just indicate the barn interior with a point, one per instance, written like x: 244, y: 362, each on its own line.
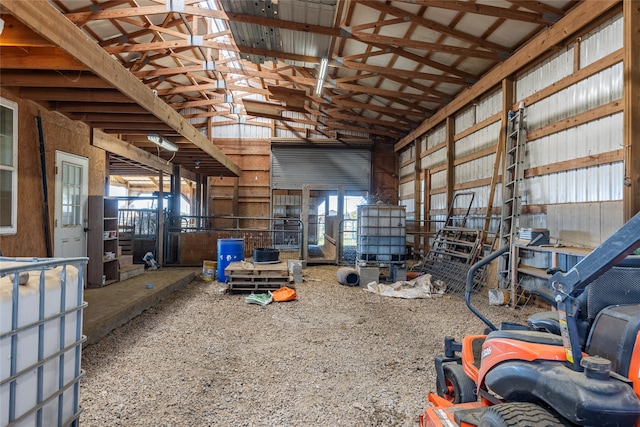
x: 244, y: 143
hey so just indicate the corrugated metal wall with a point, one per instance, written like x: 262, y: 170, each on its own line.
x: 601, y: 183
x: 292, y: 167
x: 242, y: 130
x: 559, y: 133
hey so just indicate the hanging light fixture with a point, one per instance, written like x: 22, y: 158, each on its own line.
x: 324, y: 65
x: 161, y: 142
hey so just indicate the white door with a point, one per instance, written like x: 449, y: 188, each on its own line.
x: 72, y: 187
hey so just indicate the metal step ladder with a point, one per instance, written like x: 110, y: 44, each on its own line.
x: 512, y: 178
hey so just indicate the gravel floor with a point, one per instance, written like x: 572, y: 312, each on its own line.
x: 337, y: 356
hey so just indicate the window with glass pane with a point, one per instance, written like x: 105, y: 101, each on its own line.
x: 8, y: 166
x: 71, y: 190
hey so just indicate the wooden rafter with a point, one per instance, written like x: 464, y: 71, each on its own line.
x: 435, y: 26
x: 42, y: 18
x: 391, y: 62
x: 488, y: 10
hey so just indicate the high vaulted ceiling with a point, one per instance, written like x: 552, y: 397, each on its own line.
x: 391, y: 65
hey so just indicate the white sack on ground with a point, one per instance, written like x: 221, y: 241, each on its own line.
x: 420, y: 287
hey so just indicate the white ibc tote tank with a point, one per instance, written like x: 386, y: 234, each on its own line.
x: 41, y: 341
x: 381, y: 233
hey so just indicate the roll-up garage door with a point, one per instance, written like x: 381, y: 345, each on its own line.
x: 293, y: 167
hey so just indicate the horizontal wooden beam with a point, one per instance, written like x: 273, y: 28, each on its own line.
x: 38, y: 58
x: 387, y: 72
x: 97, y: 107
x: 435, y: 26
x: 16, y: 34
x: 422, y: 45
x: 117, y: 146
x: 79, y: 95
x: 84, y: 17
x: 578, y: 163
x: 575, y: 77
x: 97, y: 118
x: 136, y: 126
x: 481, y: 125
x: 487, y: 10
x: 59, y: 79
x: 579, y: 119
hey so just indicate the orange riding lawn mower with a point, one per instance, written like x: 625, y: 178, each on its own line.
x: 576, y: 366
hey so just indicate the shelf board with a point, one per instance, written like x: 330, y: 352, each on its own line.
x: 535, y: 272
x: 564, y: 250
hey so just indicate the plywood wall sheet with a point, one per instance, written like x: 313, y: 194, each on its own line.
x: 383, y: 170
x: 253, y: 156
x: 252, y: 162
x: 254, y: 209
x: 255, y: 178
x: 61, y: 134
x: 220, y: 206
x: 29, y: 240
x: 244, y: 146
x: 197, y: 247
x: 253, y: 193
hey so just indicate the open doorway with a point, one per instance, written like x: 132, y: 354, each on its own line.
x: 320, y: 227
x: 330, y: 223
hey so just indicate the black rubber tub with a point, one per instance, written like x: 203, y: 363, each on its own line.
x: 266, y: 255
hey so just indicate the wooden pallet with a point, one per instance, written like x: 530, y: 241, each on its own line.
x: 257, y: 277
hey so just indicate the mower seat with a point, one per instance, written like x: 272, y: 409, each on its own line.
x: 619, y: 285
x: 545, y: 321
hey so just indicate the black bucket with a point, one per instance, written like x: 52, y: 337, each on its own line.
x: 265, y: 255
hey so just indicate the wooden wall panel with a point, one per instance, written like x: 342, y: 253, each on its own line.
x: 251, y: 197
x: 384, y: 176
x: 59, y: 134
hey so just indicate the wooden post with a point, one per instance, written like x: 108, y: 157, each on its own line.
x: 160, y: 242
x: 305, y: 221
x: 176, y: 196
x: 236, y: 196
x: 450, y: 129
x: 514, y: 275
x: 427, y: 208
x: 631, y: 193
x: 417, y: 195
x: 197, y: 200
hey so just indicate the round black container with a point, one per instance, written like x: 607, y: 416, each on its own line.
x: 265, y: 255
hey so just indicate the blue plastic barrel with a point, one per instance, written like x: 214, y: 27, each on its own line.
x: 229, y: 250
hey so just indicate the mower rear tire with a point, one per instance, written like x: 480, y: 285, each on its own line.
x: 519, y: 414
x: 460, y: 388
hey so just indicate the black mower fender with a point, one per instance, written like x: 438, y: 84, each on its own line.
x: 580, y: 399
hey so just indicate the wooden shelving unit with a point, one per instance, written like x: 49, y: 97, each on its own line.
x: 102, y: 242
x: 553, y: 257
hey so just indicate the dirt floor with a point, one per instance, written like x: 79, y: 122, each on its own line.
x: 337, y: 356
